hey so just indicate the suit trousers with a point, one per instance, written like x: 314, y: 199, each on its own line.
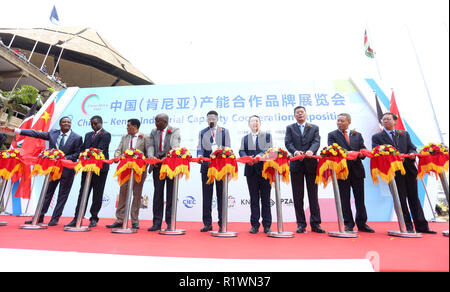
x: 259, y: 189
x: 207, y: 193
x: 158, y: 198
x: 97, y: 187
x: 298, y: 193
x: 136, y: 203
x: 357, y: 185
x: 408, y: 195
x: 65, y: 184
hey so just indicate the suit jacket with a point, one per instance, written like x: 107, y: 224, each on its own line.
x: 101, y: 141
x: 71, y: 147
x: 141, y: 144
x: 172, y: 140
x: 205, y: 141
x: 295, y: 141
x: 248, y: 148
x: 2, y: 139
x: 404, y: 146
x: 355, y: 167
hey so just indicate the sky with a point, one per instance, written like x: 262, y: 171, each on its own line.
x: 204, y: 41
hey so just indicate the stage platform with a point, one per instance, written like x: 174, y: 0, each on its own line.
x: 55, y: 249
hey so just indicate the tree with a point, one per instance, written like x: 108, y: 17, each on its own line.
x: 19, y: 100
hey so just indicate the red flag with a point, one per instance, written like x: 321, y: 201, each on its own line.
x: 26, y: 124
x: 32, y: 147
x: 394, y: 109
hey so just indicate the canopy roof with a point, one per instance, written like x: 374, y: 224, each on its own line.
x: 81, y: 45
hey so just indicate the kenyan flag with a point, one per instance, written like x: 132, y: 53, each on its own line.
x: 367, y: 49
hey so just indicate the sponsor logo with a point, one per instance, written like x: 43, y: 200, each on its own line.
x: 91, y: 105
x: 189, y: 202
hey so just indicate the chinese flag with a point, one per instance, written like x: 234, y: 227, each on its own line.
x: 394, y: 109
x: 32, y: 147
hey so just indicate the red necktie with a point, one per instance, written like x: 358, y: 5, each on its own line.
x: 160, y: 141
x: 346, y: 137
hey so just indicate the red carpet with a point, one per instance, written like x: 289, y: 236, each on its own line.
x: 430, y: 253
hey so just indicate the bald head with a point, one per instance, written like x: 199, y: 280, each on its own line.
x: 161, y: 121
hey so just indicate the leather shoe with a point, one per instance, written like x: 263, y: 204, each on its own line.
x: 71, y: 223
x: 115, y: 225
x: 348, y: 229
x: 41, y: 220
x: 301, y: 230
x: 317, y: 229
x: 135, y: 225
x: 206, y: 229
x: 93, y: 223
x: 267, y: 230
x: 154, y: 228
x: 366, y: 228
x: 429, y: 231
x: 254, y: 230
x: 53, y: 222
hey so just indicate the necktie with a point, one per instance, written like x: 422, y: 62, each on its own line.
x: 346, y: 137
x: 131, y: 141
x: 394, y: 138
x: 62, y: 141
x: 160, y: 141
x: 301, y: 129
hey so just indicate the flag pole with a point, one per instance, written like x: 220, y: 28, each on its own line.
x: 374, y: 52
x: 426, y: 86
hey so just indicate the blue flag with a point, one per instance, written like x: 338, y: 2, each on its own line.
x: 54, y: 16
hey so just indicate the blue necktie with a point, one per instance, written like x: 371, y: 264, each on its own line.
x: 62, y: 142
x: 301, y: 128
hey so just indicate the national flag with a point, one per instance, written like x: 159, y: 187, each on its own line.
x: 33, y: 146
x: 367, y: 49
x: 394, y: 109
x: 54, y: 16
x: 26, y: 124
x: 379, y: 111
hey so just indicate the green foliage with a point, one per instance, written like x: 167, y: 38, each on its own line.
x: 19, y: 100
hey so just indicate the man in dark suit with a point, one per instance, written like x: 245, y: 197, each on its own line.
x: 68, y: 142
x: 351, y: 141
x: 99, y: 138
x: 255, y: 144
x: 303, y: 138
x: 406, y: 184
x: 162, y: 139
x: 209, y: 139
x: 3, y: 138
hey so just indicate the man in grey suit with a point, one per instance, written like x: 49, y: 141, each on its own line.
x: 209, y: 139
x: 162, y: 140
x: 303, y: 138
x: 136, y: 140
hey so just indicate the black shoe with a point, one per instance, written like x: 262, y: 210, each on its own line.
x: 72, y: 223
x: 429, y: 231
x: 93, y: 223
x: 366, y: 228
x: 115, y: 225
x: 206, y: 229
x: 301, y: 230
x: 267, y: 230
x: 317, y: 229
x: 53, y: 222
x: 41, y: 220
x: 254, y: 230
x: 154, y: 228
x: 135, y: 225
x: 348, y: 229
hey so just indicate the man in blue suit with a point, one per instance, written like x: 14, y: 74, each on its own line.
x: 255, y: 144
x: 68, y: 142
x: 209, y: 139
